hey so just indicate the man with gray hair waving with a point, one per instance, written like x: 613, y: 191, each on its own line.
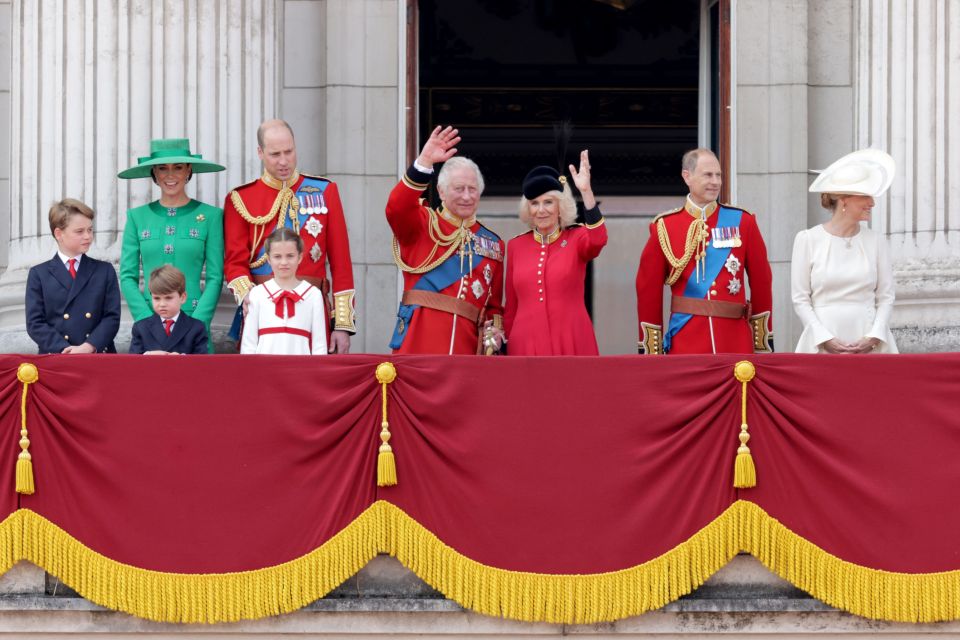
x: 452, y: 265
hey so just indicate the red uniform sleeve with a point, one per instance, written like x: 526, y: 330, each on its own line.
x: 592, y: 242
x: 236, y: 240
x: 338, y: 242
x: 510, y: 307
x: 404, y: 211
x: 651, y: 275
x: 757, y: 267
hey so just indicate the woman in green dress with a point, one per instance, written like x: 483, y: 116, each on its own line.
x: 173, y: 230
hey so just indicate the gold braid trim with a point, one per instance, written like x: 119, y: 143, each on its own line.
x: 280, y: 203
x: 518, y: 595
x: 696, y: 234
x: 452, y: 241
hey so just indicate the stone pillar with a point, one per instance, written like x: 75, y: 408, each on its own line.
x: 770, y: 141
x: 340, y: 93
x: 95, y: 81
x: 908, y: 92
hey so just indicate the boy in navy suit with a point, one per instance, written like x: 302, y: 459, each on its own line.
x: 168, y: 331
x: 72, y: 300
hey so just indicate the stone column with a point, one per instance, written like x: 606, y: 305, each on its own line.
x: 908, y: 92
x: 94, y: 81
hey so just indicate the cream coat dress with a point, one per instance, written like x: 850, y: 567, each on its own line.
x: 842, y: 288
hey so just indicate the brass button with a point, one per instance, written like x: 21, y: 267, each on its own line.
x: 87, y: 315
x: 66, y: 316
x: 713, y: 292
x: 66, y: 337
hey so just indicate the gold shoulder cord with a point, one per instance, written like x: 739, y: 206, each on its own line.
x: 281, y: 202
x: 452, y: 242
x: 695, y: 235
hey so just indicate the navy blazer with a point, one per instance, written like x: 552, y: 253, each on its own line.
x: 188, y: 335
x: 63, y: 311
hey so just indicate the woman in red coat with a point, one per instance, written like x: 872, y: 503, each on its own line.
x: 544, y: 313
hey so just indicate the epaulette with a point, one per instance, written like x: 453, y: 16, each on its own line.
x: 496, y: 235
x: 245, y: 185
x: 668, y: 213
x: 733, y: 206
x: 521, y: 234
x: 324, y: 178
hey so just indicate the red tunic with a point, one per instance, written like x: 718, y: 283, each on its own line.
x: 545, y: 314
x: 729, y: 335
x: 244, y: 239
x: 431, y: 330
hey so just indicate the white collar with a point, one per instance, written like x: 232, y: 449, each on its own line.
x: 64, y: 258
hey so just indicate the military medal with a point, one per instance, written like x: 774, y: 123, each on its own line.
x: 733, y: 286
x: 487, y: 274
x: 315, y: 253
x: 477, y: 288
x: 732, y: 264
x: 314, y: 227
x: 323, y: 206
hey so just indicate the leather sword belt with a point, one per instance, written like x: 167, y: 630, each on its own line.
x: 440, y: 302
x: 714, y: 308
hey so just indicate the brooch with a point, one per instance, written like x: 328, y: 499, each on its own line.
x: 201, y: 217
x: 194, y: 233
x: 170, y: 229
x: 168, y: 249
x: 314, y: 227
x: 145, y: 234
x: 733, y: 286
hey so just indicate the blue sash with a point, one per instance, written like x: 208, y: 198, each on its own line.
x: 436, y: 280
x: 714, y: 262
x: 312, y: 187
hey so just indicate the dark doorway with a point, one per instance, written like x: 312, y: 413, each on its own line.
x: 623, y: 72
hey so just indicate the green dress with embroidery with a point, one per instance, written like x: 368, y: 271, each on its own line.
x: 187, y: 237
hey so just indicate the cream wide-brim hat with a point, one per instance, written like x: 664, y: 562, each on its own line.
x: 868, y: 172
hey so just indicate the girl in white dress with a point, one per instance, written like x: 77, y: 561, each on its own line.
x: 286, y: 315
x: 841, y: 278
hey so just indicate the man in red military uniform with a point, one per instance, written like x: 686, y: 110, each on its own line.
x: 310, y: 205
x: 452, y: 265
x: 703, y: 251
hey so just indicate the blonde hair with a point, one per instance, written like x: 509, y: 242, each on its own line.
x: 61, y: 211
x: 568, y: 208
x: 167, y: 279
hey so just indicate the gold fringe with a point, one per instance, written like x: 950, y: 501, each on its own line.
x: 532, y: 597
x: 198, y: 598
x: 386, y: 464
x: 27, y: 373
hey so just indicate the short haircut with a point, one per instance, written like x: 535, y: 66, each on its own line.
x: 690, y: 158
x: 270, y: 124
x: 167, y: 279
x: 458, y: 162
x: 829, y: 201
x: 283, y: 234
x: 568, y: 208
x: 61, y: 211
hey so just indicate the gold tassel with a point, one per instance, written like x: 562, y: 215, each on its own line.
x: 386, y: 464
x: 744, y: 472
x: 27, y: 374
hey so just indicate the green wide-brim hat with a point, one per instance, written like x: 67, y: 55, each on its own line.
x: 169, y: 151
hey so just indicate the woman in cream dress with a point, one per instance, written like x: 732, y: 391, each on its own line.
x: 841, y: 279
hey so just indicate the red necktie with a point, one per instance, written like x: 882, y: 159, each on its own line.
x: 166, y: 325
x: 73, y: 267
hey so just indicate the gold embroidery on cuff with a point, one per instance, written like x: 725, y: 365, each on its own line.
x: 651, y: 339
x: 344, y: 315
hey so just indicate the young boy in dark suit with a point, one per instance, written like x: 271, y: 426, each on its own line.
x: 168, y: 331
x: 72, y: 300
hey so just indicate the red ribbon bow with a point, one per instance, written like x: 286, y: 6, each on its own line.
x: 288, y: 299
